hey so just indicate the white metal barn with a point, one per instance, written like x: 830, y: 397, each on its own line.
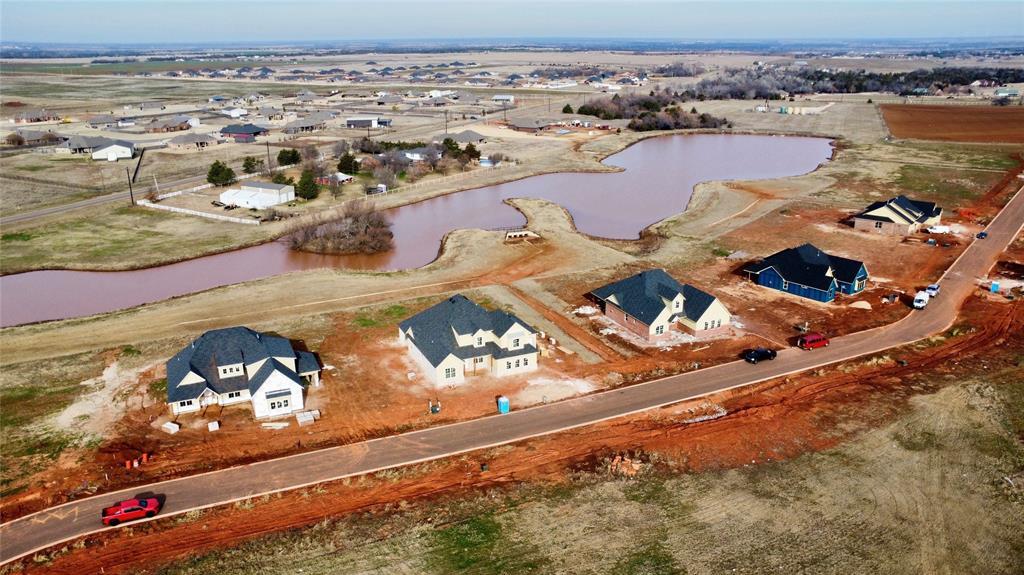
x: 114, y: 152
x: 258, y: 195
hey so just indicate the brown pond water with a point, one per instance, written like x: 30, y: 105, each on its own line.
x: 659, y: 177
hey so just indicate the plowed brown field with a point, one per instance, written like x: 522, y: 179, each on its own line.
x: 986, y: 124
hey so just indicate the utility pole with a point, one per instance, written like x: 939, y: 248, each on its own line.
x: 270, y: 168
x: 446, y: 122
x: 131, y: 192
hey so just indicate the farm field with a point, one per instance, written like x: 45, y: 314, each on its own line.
x: 983, y: 124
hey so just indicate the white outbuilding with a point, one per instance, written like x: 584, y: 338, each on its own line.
x: 114, y: 151
x: 258, y: 195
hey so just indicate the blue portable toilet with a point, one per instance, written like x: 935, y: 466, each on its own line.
x: 994, y: 288
x: 503, y: 404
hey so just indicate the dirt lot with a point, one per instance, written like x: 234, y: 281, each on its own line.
x: 985, y: 124
x: 868, y: 463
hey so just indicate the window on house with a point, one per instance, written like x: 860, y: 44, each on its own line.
x: 508, y: 365
x: 677, y: 304
x: 526, y: 361
x: 186, y: 403
x: 479, y: 341
x: 659, y: 330
x: 719, y: 323
x: 234, y: 394
x: 878, y: 225
x: 515, y: 342
x: 785, y: 284
x: 479, y: 360
x: 449, y: 372
x: 517, y: 363
x: 705, y: 325
x: 284, y: 403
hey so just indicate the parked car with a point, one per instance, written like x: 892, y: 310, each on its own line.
x: 921, y: 300
x: 759, y: 354
x: 933, y: 290
x: 982, y: 235
x: 130, y: 510
x: 812, y: 340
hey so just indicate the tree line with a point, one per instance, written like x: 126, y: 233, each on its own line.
x: 659, y: 110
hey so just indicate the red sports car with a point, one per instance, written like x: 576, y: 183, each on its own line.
x: 130, y: 510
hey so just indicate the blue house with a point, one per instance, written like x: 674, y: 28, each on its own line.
x: 809, y: 272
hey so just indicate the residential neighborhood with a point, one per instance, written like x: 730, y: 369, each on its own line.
x: 511, y: 288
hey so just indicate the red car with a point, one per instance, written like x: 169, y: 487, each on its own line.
x: 812, y: 340
x: 130, y: 510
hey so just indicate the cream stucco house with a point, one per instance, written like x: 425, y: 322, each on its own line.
x: 236, y: 365
x: 456, y: 338
x: 650, y: 303
x: 897, y: 216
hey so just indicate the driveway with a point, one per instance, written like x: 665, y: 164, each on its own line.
x: 56, y: 525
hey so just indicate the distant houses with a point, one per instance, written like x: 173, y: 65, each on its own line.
x: 258, y: 195
x: 311, y: 123
x: 99, y: 147
x: 192, y: 141
x: 173, y: 124
x: 808, y: 272
x: 367, y: 122
x: 34, y: 116
x: 238, y: 365
x: 464, y: 137
x: 649, y: 304
x: 244, y: 133
x: 457, y: 338
x: 897, y: 216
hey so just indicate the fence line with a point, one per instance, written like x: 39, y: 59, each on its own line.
x: 250, y: 222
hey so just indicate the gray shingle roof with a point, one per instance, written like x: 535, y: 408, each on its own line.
x: 434, y: 329
x: 642, y: 295
x: 229, y: 346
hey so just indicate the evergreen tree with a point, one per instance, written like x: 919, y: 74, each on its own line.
x: 307, y: 187
x: 347, y: 164
x: 567, y: 109
x: 288, y: 157
x: 220, y: 174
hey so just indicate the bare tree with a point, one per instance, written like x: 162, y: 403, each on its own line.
x: 340, y: 148
x: 386, y: 176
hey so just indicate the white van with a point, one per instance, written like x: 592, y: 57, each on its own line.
x: 921, y: 300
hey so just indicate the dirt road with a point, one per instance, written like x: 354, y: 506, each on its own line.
x: 62, y: 523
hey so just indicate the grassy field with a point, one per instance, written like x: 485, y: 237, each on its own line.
x: 923, y: 494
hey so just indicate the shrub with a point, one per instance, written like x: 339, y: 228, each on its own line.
x: 289, y: 157
x: 220, y: 174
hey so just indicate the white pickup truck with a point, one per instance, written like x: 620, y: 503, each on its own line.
x: 939, y: 230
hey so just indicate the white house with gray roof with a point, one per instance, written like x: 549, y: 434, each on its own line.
x: 237, y: 365
x: 457, y: 337
x: 650, y: 303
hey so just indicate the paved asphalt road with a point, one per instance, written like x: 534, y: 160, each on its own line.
x: 52, y: 526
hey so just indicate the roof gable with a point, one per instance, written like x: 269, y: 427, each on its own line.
x: 646, y: 294
x: 434, y: 329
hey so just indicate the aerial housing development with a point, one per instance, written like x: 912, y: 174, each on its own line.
x: 518, y: 288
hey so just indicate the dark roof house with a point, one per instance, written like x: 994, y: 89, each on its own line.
x: 809, y: 272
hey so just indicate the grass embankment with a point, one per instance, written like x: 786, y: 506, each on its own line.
x: 121, y: 237
x: 924, y: 493
x: 29, y: 394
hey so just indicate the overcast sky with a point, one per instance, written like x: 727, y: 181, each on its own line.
x: 256, y: 21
